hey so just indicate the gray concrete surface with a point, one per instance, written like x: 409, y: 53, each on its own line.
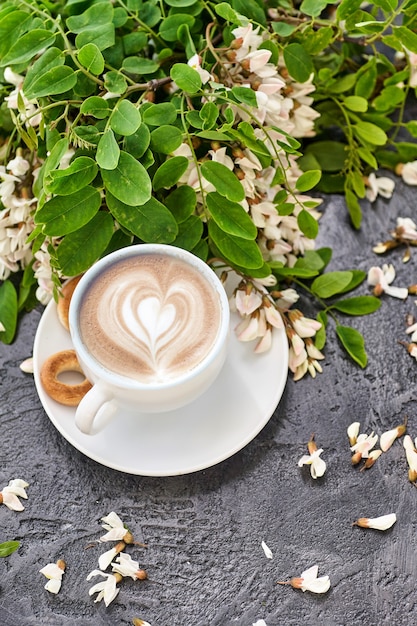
x: 203, y: 531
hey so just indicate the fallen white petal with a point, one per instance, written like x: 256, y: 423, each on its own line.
x: 387, y: 439
x: 268, y: 551
x: 27, y: 366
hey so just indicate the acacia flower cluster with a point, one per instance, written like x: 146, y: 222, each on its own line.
x: 362, y: 444
x: 10, y: 494
x: 121, y: 563
x: 404, y: 234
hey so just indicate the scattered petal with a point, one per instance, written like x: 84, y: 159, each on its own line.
x: 54, y: 572
x: 268, y: 551
x: 27, y: 365
x: 353, y: 432
x: 106, y: 590
x: 378, y: 523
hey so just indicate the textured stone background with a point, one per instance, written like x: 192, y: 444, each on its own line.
x: 204, y: 530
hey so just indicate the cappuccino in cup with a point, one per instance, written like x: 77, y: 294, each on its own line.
x: 150, y: 326
x: 151, y: 318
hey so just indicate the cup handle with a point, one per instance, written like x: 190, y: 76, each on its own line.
x: 96, y: 402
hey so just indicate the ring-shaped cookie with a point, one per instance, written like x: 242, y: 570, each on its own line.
x: 64, y: 393
x: 64, y: 300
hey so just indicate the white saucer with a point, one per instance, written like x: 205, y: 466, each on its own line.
x: 214, y: 427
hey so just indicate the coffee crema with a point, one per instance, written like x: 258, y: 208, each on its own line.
x: 150, y: 317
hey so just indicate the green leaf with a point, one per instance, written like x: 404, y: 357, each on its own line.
x: 27, y: 46
x: 359, y: 305
x: 169, y: 27
x: 298, y: 62
x: 8, y: 311
x: 231, y: 217
x: 406, y: 37
x: 79, y: 250
x: 224, y: 10
x: 55, y: 81
x: 182, y: 202
x: 225, y: 182
x: 125, y: 119
x: 187, y: 78
x: 330, y: 155
x: 353, y: 343
x: 151, y: 222
x: 189, y: 233
x: 320, y: 337
x: 80, y: 173
x: 313, y: 7
x: 283, y: 29
x: 208, y: 114
x: 138, y: 143
x: 297, y: 271
x: 12, y: 25
x: 158, y: 114
x: 242, y: 252
x: 356, y: 103
x: 370, y: 133
x: 166, y: 139
x: 139, y: 66
x: 358, y: 276
x: 129, y: 182
x: 99, y: 15
x: 96, y: 107
x: 66, y: 214
x: 246, y: 95
x: 102, y: 36
x: 307, y: 224
x: 8, y: 547
x: 114, y: 82
x: 386, y: 5
x: 354, y: 208
x: 308, y: 180
x: 91, y: 58
x: 53, y: 57
x: 169, y: 172
x: 330, y: 284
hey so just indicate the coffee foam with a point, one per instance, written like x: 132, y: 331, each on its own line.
x: 151, y: 317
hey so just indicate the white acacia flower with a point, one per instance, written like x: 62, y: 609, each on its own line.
x: 115, y: 527
x: 411, y: 456
x: 378, y: 523
x: 260, y: 622
x: 27, y: 365
x: 388, y: 437
x: 126, y: 566
x: 140, y: 622
x: 317, y: 465
x: 406, y: 229
x: 364, y: 444
x: 381, y: 279
x: 54, y: 572
x: 382, y: 186
x: 267, y: 551
x: 10, y: 495
x: 105, y: 590
x: 408, y: 172
x: 412, y: 330
x: 247, y: 300
x: 308, y: 581
x: 106, y: 558
x: 353, y: 432
x: 195, y: 63
x: 303, y: 326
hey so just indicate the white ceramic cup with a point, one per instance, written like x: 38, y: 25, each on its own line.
x: 112, y: 392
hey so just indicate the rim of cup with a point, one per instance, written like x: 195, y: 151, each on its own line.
x: 119, y: 380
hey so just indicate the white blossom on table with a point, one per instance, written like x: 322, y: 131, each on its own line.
x: 381, y: 279
x: 309, y: 581
x: 106, y: 590
x: 384, y: 522
x: 10, y: 494
x: 54, y: 573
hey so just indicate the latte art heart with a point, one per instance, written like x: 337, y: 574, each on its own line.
x: 151, y: 318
